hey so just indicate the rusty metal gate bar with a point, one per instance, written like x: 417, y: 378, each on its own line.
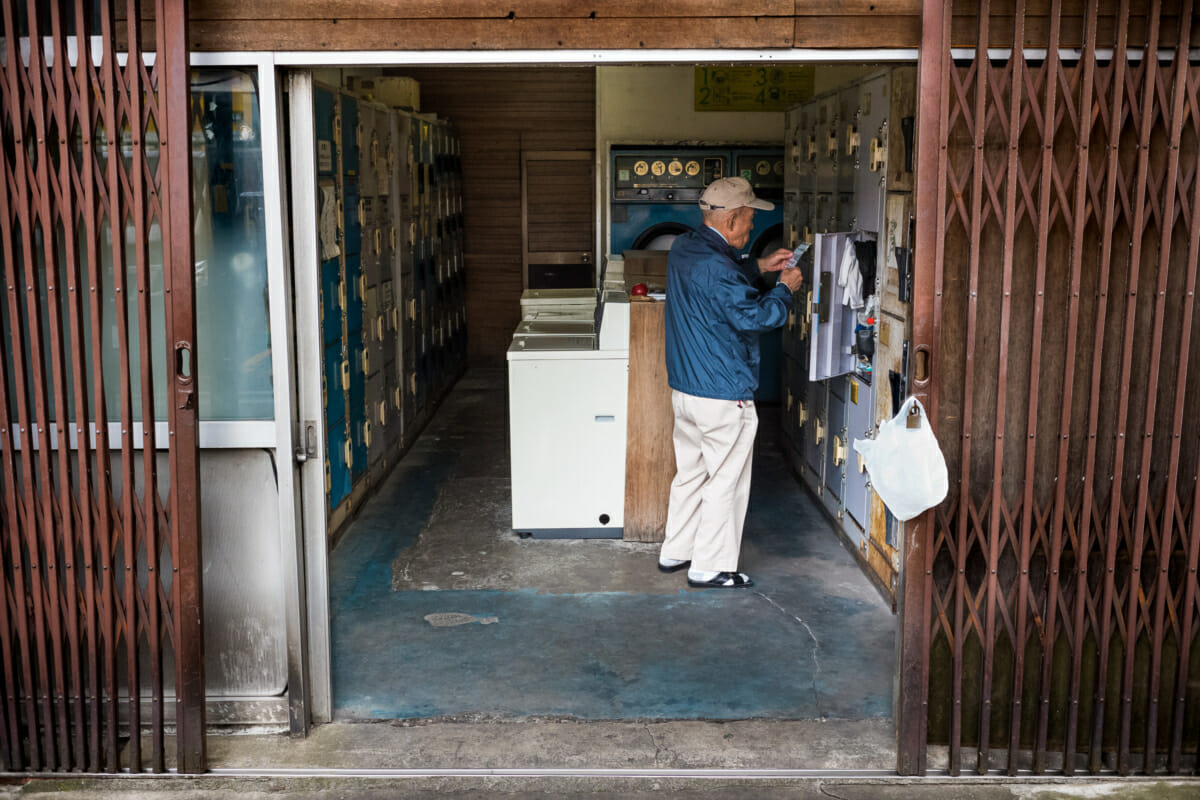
x: 101, y: 584
x: 1051, y: 601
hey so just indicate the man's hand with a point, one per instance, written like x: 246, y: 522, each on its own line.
x: 792, y: 278
x: 775, y: 261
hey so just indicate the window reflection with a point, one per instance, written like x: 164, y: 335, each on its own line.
x: 233, y: 326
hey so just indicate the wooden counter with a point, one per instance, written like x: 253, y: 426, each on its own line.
x: 649, y: 452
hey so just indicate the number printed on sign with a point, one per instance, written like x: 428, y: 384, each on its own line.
x: 754, y: 88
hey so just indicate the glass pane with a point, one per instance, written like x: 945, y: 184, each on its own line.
x: 233, y: 352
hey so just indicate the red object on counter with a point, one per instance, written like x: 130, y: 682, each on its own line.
x: 639, y: 290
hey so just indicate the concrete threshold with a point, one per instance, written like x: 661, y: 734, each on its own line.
x: 865, y: 746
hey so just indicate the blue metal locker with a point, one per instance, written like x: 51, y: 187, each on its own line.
x: 357, y: 399
x: 335, y: 392
x: 324, y: 110
x: 353, y: 227
x: 331, y: 308
x: 339, y: 470
x: 349, y: 132
x: 354, y: 299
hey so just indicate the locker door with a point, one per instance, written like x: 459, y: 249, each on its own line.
x: 835, y: 447
x: 860, y: 415
x: 832, y: 332
x: 873, y: 107
x: 816, y: 435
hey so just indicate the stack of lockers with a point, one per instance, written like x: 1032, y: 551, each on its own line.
x: 831, y: 185
x: 393, y: 313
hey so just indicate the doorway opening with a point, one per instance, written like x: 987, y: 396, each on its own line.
x: 438, y: 608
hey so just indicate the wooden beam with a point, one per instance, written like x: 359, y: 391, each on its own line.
x: 852, y: 31
x: 506, y: 9
x: 477, y: 34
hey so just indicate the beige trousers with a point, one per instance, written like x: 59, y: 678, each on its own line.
x: 714, y: 446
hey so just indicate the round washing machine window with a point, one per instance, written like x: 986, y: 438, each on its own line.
x: 660, y: 236
x: 768, y: 241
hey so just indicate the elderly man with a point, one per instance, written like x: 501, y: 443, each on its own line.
x: 714, y: 316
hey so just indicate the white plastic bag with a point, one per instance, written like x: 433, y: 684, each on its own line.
x: 905, y: 464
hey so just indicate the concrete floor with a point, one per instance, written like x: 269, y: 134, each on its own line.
x: 589, y: 629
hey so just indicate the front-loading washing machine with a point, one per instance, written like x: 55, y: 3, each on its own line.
x: 654, y: 193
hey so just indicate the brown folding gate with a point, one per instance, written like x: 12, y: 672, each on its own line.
x: 1051, y: 602
x: 100, y: 547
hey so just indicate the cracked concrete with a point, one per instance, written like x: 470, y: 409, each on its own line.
x: 816, y: 651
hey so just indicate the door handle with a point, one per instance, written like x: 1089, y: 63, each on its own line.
x: 839, y: 451
x: 307, y: 448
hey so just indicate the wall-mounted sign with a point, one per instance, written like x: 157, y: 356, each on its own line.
x: 756, y: 88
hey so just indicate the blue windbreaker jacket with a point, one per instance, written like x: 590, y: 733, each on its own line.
x: 714, y: 316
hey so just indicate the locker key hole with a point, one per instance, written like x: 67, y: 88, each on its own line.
x: 604, y: 518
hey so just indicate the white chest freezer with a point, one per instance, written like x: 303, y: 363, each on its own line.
x: 567, y: 419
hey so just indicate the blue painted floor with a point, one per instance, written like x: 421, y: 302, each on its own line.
x: 812, y: 639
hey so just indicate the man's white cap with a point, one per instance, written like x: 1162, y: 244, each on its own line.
x: 726, y: 194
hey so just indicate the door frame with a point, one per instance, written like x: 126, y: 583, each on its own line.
x: 311, y: 537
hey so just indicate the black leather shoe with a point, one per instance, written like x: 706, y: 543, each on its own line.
x: 676, y: 568
x: 724, y: 580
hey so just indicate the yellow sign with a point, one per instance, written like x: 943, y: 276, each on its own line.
x: 755, y: 88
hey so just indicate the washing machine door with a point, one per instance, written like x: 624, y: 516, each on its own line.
x: 660, y: 236
x: 767, y: 241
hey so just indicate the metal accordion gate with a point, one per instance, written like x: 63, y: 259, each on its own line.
x: 100, y: 598
x: 1051, y: 602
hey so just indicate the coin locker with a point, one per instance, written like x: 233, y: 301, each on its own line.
x: 392, y: 291
x: 833, y: 191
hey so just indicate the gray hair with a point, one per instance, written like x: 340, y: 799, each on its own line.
x: 712, y: 215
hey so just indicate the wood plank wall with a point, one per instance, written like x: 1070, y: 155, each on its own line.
x: 331, y: 25
x: 498, y: 112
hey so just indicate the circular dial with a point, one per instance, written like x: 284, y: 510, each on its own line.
x: 641, y: 168
x: 658, y: 168
x: 692, y: 168
x: 675, y: 167
x: 777, y: 168
x: 763, y: 167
